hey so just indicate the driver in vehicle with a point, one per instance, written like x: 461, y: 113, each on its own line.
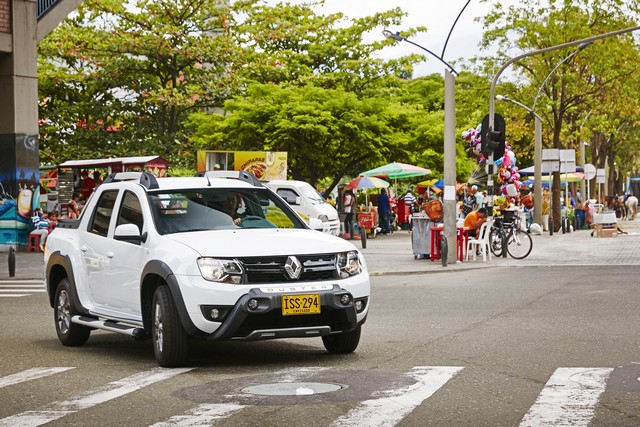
x: 230, y: 207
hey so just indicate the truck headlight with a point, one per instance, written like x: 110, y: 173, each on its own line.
x: 220, y: 270
x: 348, y: 264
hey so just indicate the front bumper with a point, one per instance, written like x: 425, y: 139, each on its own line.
x: 266, y: 321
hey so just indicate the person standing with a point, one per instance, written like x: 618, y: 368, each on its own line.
x: 88, y: 184
x: 409, y: 200
x: 469, y: 201
x: 348, y: 201
x: 383, y: 211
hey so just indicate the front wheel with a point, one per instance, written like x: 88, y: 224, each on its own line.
x: 69, y: 333
x: 520, y: 244
x: 495, y: 242
x: 345, y: 342
x: 170, y: 341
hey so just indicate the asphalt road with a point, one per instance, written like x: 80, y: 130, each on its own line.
x: 481, y: 347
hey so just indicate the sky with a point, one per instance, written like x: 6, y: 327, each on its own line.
x: 437, y: 15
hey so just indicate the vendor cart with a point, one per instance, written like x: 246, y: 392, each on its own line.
x: 369, y: 222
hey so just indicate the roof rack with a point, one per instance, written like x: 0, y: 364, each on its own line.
x: 240, y: 175
x: 146, y: 179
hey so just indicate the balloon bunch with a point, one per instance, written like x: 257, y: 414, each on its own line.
x: 473, y: 137
x: 508, y: 175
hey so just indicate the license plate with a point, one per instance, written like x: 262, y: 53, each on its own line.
x: 293, y: 305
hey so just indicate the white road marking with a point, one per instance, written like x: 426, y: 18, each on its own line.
x: 389, y: 410
x: 29, y: 374
x: 203, y: 415
x: 22, y: 290
x: 13, y: 295
x: 15, y: 289
x: 13, y: 282
x: 569, y: 398
x: 110, y: 391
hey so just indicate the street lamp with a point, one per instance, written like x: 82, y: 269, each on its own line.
x: 449, y: 196
x: 537, y: 152
x: 492, y: 91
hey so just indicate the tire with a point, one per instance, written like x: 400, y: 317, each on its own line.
x: 343, y: 343
x: 520, y: 244
x: 495, y: 242
x: 170, y: 341
x: 69, y: 334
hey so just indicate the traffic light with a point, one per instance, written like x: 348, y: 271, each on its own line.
x: 492, y: 140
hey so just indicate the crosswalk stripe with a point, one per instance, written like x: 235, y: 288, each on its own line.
x: 30, y: 374
x: 21, y: 290
x: 14, y: 282
x: 389, y: 410
x: 13, y: 295
x: 13, y: 285
x: 110, y: 391
x: 569, y: 398
x: 202, y: 415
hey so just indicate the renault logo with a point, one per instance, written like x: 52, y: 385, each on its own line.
x: 293, y: 267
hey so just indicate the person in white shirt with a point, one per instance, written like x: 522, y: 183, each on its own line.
x: 349, y: 200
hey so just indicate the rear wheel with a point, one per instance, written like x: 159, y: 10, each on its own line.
x: 170, y: 341
x: 345, y: 342
x: 520, y: 244
x: 70, y: 334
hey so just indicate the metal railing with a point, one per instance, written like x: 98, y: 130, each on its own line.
x: 43, y: 6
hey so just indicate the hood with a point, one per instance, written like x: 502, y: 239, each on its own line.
x: 261, y: 242
x: 328, y: 210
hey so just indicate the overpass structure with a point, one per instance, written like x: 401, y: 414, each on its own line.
x: 22, y: 24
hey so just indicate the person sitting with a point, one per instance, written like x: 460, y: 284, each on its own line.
x: 474, y: 220
x: 73, y: 210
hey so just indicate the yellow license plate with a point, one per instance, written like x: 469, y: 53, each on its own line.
x: 293, y: 305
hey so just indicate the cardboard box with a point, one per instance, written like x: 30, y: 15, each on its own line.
x: 607, y: 232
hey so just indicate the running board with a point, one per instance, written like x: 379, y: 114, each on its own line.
x: 109, y: 326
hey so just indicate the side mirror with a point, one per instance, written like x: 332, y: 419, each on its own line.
x: 129, y: 233
x: 316, y: 224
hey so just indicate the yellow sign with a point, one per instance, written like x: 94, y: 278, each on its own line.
x: 265, y: 165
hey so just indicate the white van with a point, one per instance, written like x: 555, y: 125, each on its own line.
x: 305, y: 200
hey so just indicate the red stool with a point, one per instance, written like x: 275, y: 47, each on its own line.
x: 34, y: 243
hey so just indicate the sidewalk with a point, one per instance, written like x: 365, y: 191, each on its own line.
x: 393, y: 254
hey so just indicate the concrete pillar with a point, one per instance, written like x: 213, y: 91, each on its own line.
x: 19, y: 159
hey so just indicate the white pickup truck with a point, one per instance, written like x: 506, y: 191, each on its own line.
x: 205, y: 257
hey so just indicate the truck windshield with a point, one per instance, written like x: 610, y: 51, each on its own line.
x: 312, y: 195
x: 180, y: 211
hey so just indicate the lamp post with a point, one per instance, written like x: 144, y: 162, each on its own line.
x: 449, y: 197
x: 537, y: 155
x: 492, y: 91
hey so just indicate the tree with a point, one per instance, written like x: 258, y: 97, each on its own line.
x: 326, y: 132
x: 575, y: 87
x: 120, y: 80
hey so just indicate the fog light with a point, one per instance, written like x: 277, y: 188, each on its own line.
x: 252, y: 304
x: 215, y: 313
x: 345, y: 299
x: 359, y: 306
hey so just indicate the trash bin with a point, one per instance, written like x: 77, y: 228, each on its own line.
x: 421, y: 237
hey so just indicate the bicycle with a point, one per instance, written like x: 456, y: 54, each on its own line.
x: 508, y: 229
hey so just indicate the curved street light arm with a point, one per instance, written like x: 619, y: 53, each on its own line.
x: 558, y: 65
x: 452, y: 27
x: 513, y: 101
x: 398, y: 37
x: 492, y: 91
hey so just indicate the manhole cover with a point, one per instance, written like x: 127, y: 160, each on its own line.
x: 292, y: 389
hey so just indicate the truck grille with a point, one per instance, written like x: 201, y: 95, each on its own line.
x: 272, y: 269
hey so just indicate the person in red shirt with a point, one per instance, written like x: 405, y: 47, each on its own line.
x: 88, y: 184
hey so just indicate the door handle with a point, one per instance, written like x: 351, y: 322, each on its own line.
x: 84, y: 248
x: 110, y: 254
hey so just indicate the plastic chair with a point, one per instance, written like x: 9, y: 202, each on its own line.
x: 481, y: 242
x: 33, y: 244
